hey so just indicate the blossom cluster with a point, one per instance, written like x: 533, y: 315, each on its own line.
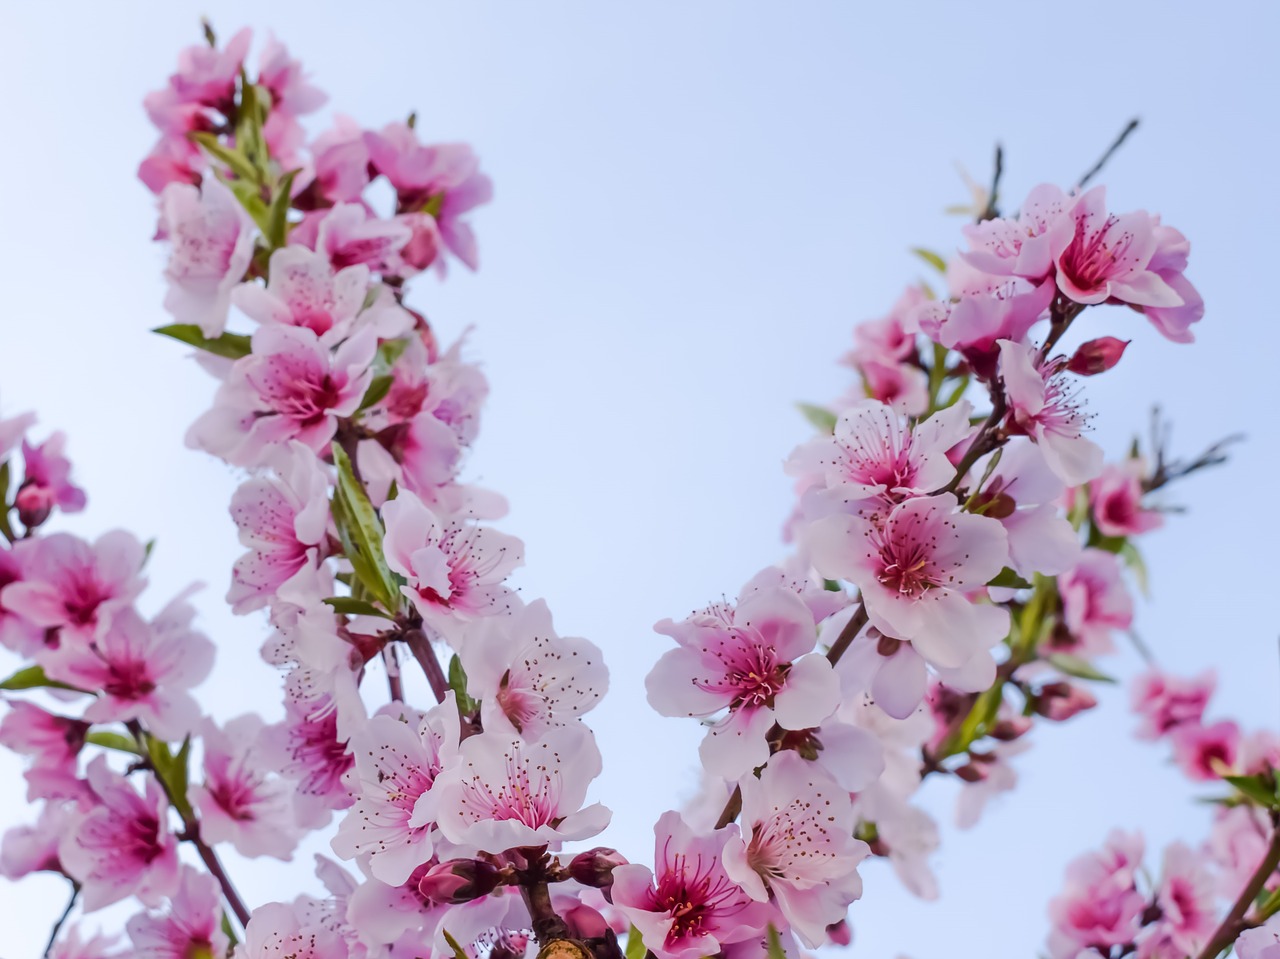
x: 962, y: 559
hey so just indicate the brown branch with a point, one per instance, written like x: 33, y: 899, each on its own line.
x: 57, y: 926
x: 991, y: 211
x: 1115, y: 145
x: 420, y: 646
x: 1235, y: 923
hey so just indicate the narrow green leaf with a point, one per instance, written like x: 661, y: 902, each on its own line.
x: 391, y: 350
x: 354, y: 607
x: 33, y: 677
x: 5, y: 529
x: 1269, y: 906
x: 458, y: 951
x: 364, y: 533
x: 232, y: 158
x: 228, y: 931
x: 773, y: 948
x: 1133, y: 559
x: 109, y: 740
x: 1077, y: 667
x: 278, y: 213
x: 458, y: 683
x: 231, y: 345
x: 379, y: 387
x: 935, y: 261
x: 171, y: 770
x: 956, y: 393
x: 635, y: 945
x: 249, y: 194
x: 1009, y: 579
x: 1257, y: 788
x: 820, y: 417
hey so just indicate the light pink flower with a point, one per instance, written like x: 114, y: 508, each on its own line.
x: 1237, y: 844
x: 53, y: 742
x: 397, y: 764
x: 1095, y: 601
x: 1168, y: 262
x: 527, y: 678
x: 981, y: 318
x: 1026, y: 245
x: 143, y: 670
x: 289, y: 388
x: 67, y: 583
x: 208, y: 75
x: 687, y: 906
x: 275, y: 931
x: 890, y: 338
x: 1116, y: 500
x: 756, y: 661
x: 915, y: 570
x: 212, y: 238
x: 1100, y: 904
x: 46, y: 482
x: 282, y: 520
x: 1109, y: 257
x: 34, y: 848
x: 239, y: 802
x: 121, y: 846
x: 16, y: 632
x: 504, y: 792
x: 1188, y: 906
x: 306, y: 749
x: 455, y: 570
x: 1042, y: 405
x: 341, y: 161
x: 1165, y: 701
x: 873, y: 455
x: 350, y: 235
x: 797, y: 846
x: 191, y: 927
x: 1023, y: 494
x: 1207, y: 753
x: 304, y: 290
x: 1260, y: 943
x: 73, y: 946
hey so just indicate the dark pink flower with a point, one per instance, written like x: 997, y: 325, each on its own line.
x: 1095, y: 601
x: 1100, y: 904
x: 1165, y: 701
x: 1116, y: 500
x: 1206, y: 753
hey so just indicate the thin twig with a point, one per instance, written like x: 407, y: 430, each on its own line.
x: 1235, y: 923
x: 57, y: 926
x: 1115, y: 145
x: 394, y: 684
x: 991, y: 211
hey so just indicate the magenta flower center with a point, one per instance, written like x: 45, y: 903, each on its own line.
x: 907, y: 568
x: 1093, y: 257
x: 692, y: 894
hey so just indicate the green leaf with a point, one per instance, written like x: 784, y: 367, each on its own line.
x: 5, y: 529
x: 1269, y: 906
x: 251, y: 115
x: 379, y: 387
x: 820, y: 417
x: 231, y: 345
x: 33, y: 677
x: 232, y: 158
x: 458, y: 951
x: 277, y: 227
x: 229, y: 932
x: 354, y: 607
x: 116, y: 741
x: 956, y: 393
x: 1258, y: 788
x: 363, y: 539
x: 1008, y: 579
x: 391, y: 350
x: 635, y: 945
x: 773, y: 947
x: 458, y: 683
x: 935, y: 261
x: 249, y: 193
x: 1133, y: 559
x: 1077, y: 667
x: 171, y: 769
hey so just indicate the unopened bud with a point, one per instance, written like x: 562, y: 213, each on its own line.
x: 972, y: 773
x: 1097, y: 356
x: 459, y: 880
x: 595, y: 866
x: 1007, y: 730
x: 34, y: 504
x: 1060, y: 701
x: 840, y: 933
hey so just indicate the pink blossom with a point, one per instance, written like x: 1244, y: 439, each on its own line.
x: 239, y: 803
x: 797, y: 846
x: 144, y: 670
x: 1206, y: 753
x: 306, y: 749
x: 121, y: 846
x: 1116, y: 500
x: 1026, y: 245
x: 1236, y: 846
x: 1168, y: 262
x: 756, y: 661
x: 46, y: 482
x: 915, y: 570
x: 397, y: 764
x: 12, y: 430
x: 1023, y: 493
x: 1100, y: 904
x: 1095, y: 601
x: 1109, y: 257
x: 997, y: 776
x: 893, y: 337
x: 1188, y: 913
x: 980, y: 319
x: 291, y: 97
x: 901, y: 386
x: 34, y: 848
x: 1041, y: 404
x: 341, y: 161
x: 690, y: 908
x: 1165, y: 701
x: 67, y: 583
x: 53, y: 742
x: 191, y: 927
x: 350, y: 235
x: 1260, y: 943
x: 212, y: 239
x: 455, y: 570
x: 208, y: 75
x: 74, y: 946
x: 282, y: 521
x: 874, y: 456
x: 505, y: 792
x: 275, y: 931
x: 289, y: 388
x: 304, y: 290
x: 17, y: 633
x: 526, y: 677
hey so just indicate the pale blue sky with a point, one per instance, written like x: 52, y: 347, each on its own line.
x: 695, y: 203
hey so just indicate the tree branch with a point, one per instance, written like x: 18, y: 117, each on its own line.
x: 1235, y: 923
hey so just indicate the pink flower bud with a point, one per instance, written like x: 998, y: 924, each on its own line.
x: 595, y: 866
x: 1060, y: 701
x: 459, y: 880
x: 1097, y: 356
x: 840, y: 932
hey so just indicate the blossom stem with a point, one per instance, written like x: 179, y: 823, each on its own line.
x: 57, y: 926
x: 985, y: 442
x: 420, y: 646
x: 394, y: 684
x: 1235, y: 922
x: 991, y: 211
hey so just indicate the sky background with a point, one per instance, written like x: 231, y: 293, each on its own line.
x: 695, y: 204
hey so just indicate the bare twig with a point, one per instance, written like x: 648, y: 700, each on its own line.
x: 1115, y: 145
x: 991, y: 211
x: 62, y: 919
x: 1235, y: 923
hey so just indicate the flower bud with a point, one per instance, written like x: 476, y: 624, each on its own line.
x: 595, y: 866
x: 1060, y: 701
x: 1007, y: 730
x: 972, y: 773
x: 840, y: 933
x: 1097, y: 356
x: 34, y: 504
x: 459, y: 880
